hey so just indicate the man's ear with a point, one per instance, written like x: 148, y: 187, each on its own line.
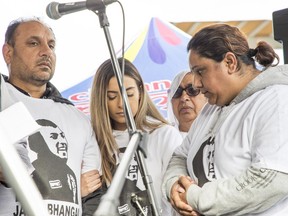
x: 7, y: 52
x: 231, y: 62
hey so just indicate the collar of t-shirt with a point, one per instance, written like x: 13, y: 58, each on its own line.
x: 50, y: 93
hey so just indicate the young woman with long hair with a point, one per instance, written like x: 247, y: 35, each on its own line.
x: 109, y: 123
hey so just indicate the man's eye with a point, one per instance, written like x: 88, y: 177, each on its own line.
x: 52, y: 46
x: 33, y: 43
x: 54, y: 135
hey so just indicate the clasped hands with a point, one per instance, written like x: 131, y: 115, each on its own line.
x: 178, y: 196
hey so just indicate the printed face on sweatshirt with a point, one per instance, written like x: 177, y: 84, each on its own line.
x: 56, y: 141
x: 203, y: 162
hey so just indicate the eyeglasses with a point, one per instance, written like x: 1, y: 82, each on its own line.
x: 189, y: 90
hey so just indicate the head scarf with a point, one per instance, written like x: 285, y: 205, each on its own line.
x: 174, y: 86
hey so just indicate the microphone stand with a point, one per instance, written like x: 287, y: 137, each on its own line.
x: 110, y: 200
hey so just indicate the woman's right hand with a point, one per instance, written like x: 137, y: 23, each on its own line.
x: 178, y: 197
x: 90, y: 181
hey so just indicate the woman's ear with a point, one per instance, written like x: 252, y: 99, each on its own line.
x: 231, y: 62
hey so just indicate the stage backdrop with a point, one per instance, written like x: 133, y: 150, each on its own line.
x: 159, y: 53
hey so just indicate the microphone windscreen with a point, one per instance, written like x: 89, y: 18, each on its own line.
x: 52, y: 10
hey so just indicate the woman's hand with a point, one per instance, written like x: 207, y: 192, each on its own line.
x: 178, y: 197
x: 90, y: 181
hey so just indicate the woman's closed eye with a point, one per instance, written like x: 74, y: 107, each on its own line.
x: 112, y: 96
x: 130, y: 92
x: 197, y: 70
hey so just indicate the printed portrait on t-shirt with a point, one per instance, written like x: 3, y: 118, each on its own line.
x: 53, y: 177
x: 203, y: 162
x: 133, y: 189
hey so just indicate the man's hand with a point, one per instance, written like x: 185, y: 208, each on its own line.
x: 178, y: 197
x: 90, y: 181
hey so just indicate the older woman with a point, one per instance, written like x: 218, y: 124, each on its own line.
x: 184, y: 102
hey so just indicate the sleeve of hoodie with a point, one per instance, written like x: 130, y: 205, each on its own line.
x: 254, y: 191
x: 176, y: 168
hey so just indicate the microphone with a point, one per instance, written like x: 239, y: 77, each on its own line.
x: 56, y: 10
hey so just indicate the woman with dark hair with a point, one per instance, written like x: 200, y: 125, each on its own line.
x: 109, y: 123
x: 234, y: 159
